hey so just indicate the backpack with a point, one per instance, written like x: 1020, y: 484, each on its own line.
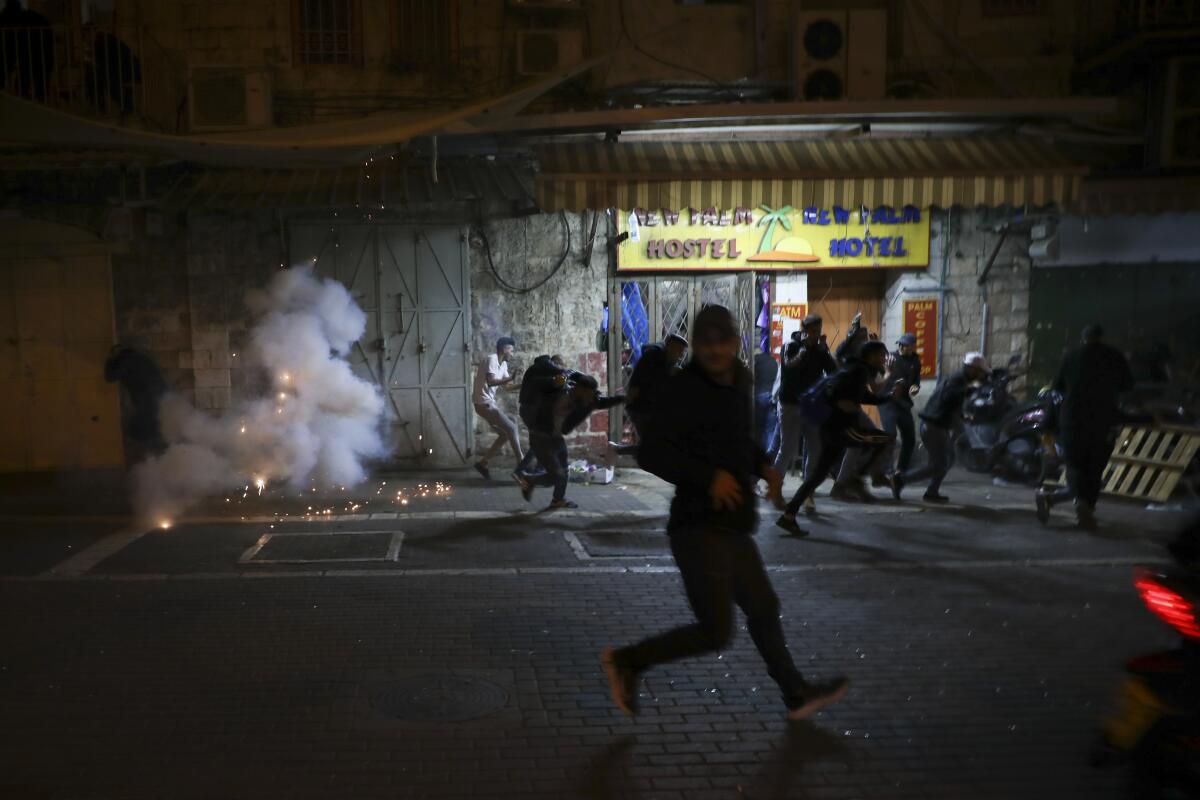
x: 814, y: 402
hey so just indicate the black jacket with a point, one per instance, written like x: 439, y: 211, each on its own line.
x: 851, y: 383
x: 649, y: 376
x: 905, y: 371
x: 1092, y: 379
x: 945, y: 404
x: 809, y: 365
x: 698, y: 427
x: 550, y: 400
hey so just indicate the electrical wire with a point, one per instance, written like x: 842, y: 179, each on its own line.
x: 673, y: 65
x: 508, y: 287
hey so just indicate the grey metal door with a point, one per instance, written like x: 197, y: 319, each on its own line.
x: 414, y: 285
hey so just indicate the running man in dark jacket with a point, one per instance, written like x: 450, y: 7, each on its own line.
x: 904, y: 368
x: 701, y: 439
x: 939, y: 421
x: 561, y: 402
x: 655, y: 366
x: 805, y: 362
x: 1092, y: 378
x: 846, y: 426
x: 543, y: 366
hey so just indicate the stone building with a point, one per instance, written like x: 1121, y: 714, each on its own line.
x: 446, y: 162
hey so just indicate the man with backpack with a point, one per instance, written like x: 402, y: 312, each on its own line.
x: 834, y: 404
x: 701, y: 440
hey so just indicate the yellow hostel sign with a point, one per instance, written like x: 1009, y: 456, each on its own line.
x: 764, y: 238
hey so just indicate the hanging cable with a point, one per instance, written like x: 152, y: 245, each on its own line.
x: 487, y: 251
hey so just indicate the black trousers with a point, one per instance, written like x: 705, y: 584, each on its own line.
x: 721, y: 568
x: 551, y: 452
x: 1086, y: 453
x: 835, y: 439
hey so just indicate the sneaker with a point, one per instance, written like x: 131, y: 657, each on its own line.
x: 622, y: 682
x: 816, y: 696
x: 934, y: 497
x: 810, y: 506
x: 897, y: 482
x: 557, y: 504
x: 525, y: 484
x: 1043, y: 506
x: 790, y: 525
x: 483, y: 470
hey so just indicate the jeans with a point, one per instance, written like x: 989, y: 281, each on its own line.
x: 897, y: 418
x: 940, y: 449
x: 791, y: 431
x: 835, y: 439
x: 1086, y: 455
x: 551, y: 452
x: 766, y: 422
x: 722, y: 568
x: 502, y: 425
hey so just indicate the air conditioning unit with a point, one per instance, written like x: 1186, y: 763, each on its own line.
x: 839, y: 54
x: 1181, y: 113
x: 228, y: 98
x: 540, y: 52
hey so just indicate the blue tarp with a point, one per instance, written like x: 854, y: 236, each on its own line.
x: 634, y: 323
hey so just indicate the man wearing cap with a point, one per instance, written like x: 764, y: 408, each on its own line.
x: 939, y: 419
x: 904, y: 370
x: 701, y: 439
x: 1091, y: 379
x: 491, y: 375
x: 804, y: 364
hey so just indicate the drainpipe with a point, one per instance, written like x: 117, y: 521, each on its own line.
x: 942, y: 288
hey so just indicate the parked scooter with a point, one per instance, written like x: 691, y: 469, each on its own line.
x: 1155, y: 726
x: 1002, y: 437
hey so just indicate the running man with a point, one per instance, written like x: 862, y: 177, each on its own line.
x: 492, y: 374
x: 701, y: 439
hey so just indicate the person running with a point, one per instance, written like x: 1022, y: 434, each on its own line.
x: 904, y: 368
x: 701, y: 440
x: 492, y: 374
x: 544, y: 365
x: 939, y: 419
x: 804, y: 365
x: 845, y: 425
x: 562, y: 402
x: 656, y: 364
x: 1091, y: 379
x: 848, y: 483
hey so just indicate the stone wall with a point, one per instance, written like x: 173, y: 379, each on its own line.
x: 561, y: 316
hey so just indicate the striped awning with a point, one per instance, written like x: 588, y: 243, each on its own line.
x: 941, y: 172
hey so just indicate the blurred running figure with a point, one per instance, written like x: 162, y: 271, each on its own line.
x: 543, y: 366
x: 805, y: 363
x: 701, y: 439
x: 939, y: 420
x: 1092, y: 378
x: 845, y: 425
x: 904, y: 367
x: 492, y: 374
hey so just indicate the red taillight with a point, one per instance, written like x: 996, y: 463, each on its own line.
x: 1168, y: 605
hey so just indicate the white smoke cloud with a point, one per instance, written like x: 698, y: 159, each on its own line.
x: 320, y: 422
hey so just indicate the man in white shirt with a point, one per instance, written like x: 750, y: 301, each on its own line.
x: 492, y: 374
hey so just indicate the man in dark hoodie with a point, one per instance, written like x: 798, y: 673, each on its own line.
x: 657, y: 363
x: 702, y: 440
x: 845, y: 425
x: 1092, y: 379
x: 544, y: 366
x: 561, y: 402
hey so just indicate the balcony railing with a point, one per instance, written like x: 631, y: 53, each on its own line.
x: 117, y: 73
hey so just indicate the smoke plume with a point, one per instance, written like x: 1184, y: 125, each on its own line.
x: 320, y: 422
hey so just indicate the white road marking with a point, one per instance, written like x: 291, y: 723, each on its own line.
x: 881, y: 566
x: 392, y: 554
x: 581, y: 552
x: 92, y: 555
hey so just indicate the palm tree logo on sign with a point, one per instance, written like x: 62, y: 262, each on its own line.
x: 789, y: 249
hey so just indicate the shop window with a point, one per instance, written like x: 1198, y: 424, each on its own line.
x: 425, y: 34
x: 1013, y: 8
x: 327, y: 31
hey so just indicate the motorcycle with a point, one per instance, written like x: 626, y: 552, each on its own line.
x: 1000, y: 436
x: 1155, y: 725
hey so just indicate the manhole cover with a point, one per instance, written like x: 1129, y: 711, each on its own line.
x: 440, y: 698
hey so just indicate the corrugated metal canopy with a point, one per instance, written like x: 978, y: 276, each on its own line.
x: 382, y: 184
x: 942, y: 172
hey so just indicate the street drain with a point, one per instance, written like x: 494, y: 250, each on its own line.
x: 439, y: 698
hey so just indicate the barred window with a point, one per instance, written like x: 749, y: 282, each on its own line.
x: 327, y: 31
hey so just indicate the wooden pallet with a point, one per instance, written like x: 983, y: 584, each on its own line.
x: 1148, y: 461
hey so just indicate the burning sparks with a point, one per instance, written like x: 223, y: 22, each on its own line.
x: 164, y: 524
x: 261, y: 484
